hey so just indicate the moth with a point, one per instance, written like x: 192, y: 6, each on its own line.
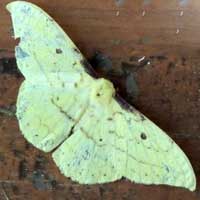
x: 62, y: 108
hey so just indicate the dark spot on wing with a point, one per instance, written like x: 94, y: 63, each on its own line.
x: 118, y: 112
x: 20, y: 53
x: 77, y: 50
x: 142, y: 117
x: 58, y: 51
x: 86, y: 155
x: 111, y: 131
x: 100, y: 139
x: 26, y: 9
x: 110, y: 119
x: 143, y: 136
x: 166, y: 168
x: 48, y: 19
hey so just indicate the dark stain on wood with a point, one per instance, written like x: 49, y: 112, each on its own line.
x: 23, y: 169
x: 101, y: 63
x: 18, y: 153
x: 132, y: 88
x: 40, y: 162
x: 40, y: 178
x: 2, y: 157
x: 170, y: 67
x: 9, y: 66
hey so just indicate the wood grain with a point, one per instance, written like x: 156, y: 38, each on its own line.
x: 165, y: 86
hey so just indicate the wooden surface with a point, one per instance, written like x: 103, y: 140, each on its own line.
x: 165, y: 86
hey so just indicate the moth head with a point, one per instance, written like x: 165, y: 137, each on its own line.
x: 102, y: 91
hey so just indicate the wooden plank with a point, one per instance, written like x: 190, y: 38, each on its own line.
x: 165, y: 86
x: 97, y: 24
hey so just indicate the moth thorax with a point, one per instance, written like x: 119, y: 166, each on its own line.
x: 102, y: 90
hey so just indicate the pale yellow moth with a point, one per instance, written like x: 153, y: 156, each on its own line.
x: 61, y: 108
